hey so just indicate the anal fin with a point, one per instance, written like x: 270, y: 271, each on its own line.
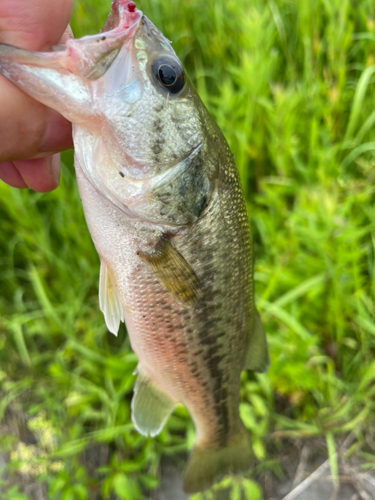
x: 257, y: 358
x: 173, y: 271
x: 109, y: 301
x: 150, y: 406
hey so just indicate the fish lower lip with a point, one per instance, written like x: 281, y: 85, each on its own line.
x: 123, y: 16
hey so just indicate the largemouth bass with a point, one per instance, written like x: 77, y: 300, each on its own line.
x: 165, y: 209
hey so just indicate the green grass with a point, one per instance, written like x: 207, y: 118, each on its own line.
x: 291, y: 84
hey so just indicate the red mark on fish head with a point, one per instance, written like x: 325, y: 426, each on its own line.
x: 123, y: 5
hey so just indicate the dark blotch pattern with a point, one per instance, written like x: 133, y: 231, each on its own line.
x: 159, y: 141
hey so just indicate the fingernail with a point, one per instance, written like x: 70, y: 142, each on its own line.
x: 10, y: 175
x: 55, y: 167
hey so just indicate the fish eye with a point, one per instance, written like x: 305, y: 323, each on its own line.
x: 169, y: 74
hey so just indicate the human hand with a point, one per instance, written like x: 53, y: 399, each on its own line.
x: 31, y: 134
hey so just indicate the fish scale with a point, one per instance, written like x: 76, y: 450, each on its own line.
x: 164, y: 206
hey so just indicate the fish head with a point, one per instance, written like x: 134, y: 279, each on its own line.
x: 138, y: 121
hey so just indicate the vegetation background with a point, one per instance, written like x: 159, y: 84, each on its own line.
x: 291, y: 84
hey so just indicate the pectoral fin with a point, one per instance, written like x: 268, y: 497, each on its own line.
x: 173, y: 271
x: 151, y: 407
x: 109, y: 301
x: 257, y: 358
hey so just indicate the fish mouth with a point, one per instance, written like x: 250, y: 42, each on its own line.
x: 90, y: 57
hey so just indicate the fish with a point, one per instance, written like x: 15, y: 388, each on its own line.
x: 164, y: 206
